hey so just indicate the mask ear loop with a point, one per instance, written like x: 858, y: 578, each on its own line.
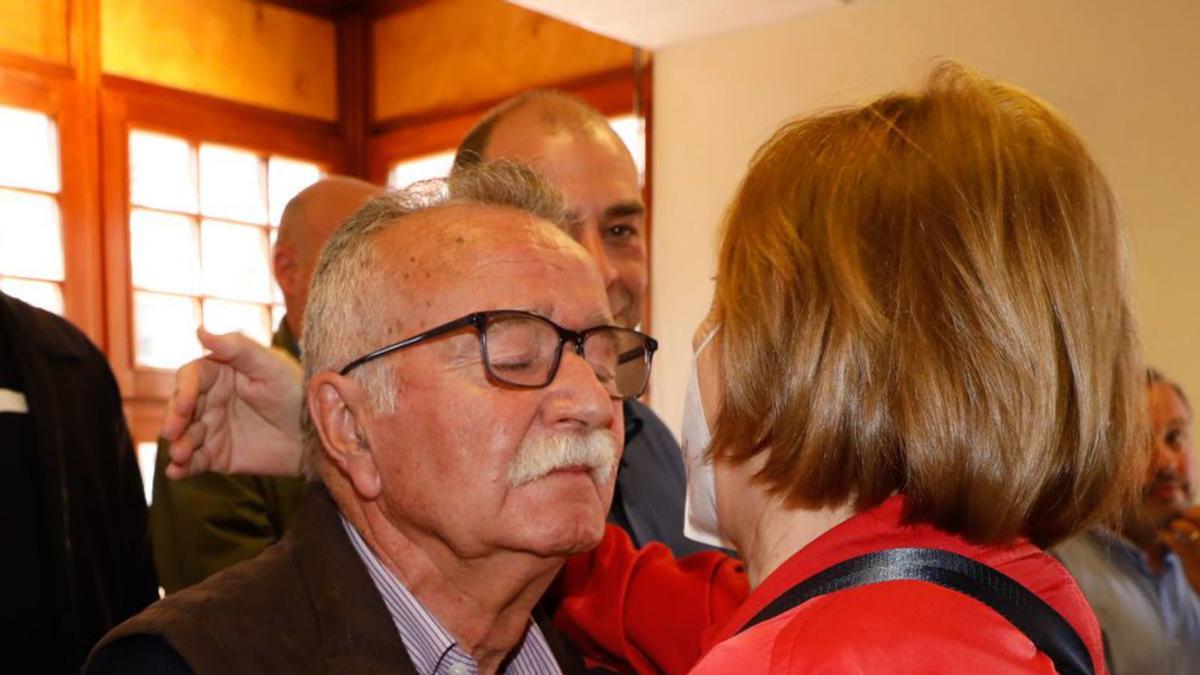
x: 704, y: 343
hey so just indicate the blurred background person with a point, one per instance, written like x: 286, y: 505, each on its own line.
x: 206, y: 523
x: 78, y: 558
x: 1143, y: 580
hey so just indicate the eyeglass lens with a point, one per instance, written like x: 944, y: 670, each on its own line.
x: 522, y: 350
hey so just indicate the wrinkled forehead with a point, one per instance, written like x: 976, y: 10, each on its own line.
x: 478, y: 258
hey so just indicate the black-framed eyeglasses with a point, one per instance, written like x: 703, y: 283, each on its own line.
x: 523, y: 350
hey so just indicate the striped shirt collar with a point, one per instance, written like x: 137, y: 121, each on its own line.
x: 430, y: 646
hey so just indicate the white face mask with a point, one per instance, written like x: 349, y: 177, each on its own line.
x: 701, y: 522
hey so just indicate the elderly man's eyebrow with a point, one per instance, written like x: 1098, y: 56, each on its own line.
x: 624, y: 210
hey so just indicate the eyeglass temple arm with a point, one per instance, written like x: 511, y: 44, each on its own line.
x: 469, y: 320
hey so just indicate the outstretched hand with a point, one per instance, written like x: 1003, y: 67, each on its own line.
x: 236, y: 410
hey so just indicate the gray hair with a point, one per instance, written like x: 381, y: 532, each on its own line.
x: 344, y: 319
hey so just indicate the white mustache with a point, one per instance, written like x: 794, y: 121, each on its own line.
x: 540, y: 455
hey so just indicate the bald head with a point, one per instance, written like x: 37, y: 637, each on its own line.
x: 307, y: 221
x: 547, y: 111
x: 573, y: 145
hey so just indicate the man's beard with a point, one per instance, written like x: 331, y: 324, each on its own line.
x: 595, y: 451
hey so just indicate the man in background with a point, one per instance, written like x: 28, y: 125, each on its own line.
x: 206, y: 523
x: 77, y: 560
x: 1143, y: 581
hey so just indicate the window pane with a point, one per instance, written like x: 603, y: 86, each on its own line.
x: 222, y: 316
x: 161, y: 172
x: 277, y: 314
x: 166, y: 329
x: 235, y: 261
x: 632, y: 131
x: 44, y: 294
x: 30, y: 236
x: 422, y: 168
x: 165, y: 251
x: 286, y: 177
x: 231, y: 184
x: 146, y: 454
x: 30, y: 150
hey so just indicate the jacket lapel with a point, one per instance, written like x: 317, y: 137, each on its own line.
x: 357, y: 633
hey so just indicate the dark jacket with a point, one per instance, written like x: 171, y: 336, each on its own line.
x: 90, y: 546
x: 306, y: 605
x: 651, y: 484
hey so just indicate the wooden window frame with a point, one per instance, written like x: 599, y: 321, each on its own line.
x: 52, y: 90
x: 128, y: 104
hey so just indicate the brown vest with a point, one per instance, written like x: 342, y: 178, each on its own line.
x: 306, y: 605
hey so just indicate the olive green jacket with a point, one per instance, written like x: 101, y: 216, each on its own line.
x: 203, y: 524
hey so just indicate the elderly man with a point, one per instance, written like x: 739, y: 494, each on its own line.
x: 1143, y: 582
x: 206, y: 523
x: 464, y: 385
x: 572, y: 144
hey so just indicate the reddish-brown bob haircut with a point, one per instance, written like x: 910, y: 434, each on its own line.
x: 928, y: 294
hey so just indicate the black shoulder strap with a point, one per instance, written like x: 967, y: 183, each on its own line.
x: 1048, y: 630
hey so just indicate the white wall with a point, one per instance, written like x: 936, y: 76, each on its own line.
x: 1125, y: 72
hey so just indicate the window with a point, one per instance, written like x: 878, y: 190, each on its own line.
x: 31, y: 251
x: 202, y: 220
x: 409, y: 171
x: 632, y: 131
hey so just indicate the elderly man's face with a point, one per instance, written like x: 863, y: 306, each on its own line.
x: 1168, y: 489
x: 446, y: 454
x: 600, y: 182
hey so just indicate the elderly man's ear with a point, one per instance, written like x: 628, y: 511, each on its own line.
x: 339, y: 407
x: 286, y: 269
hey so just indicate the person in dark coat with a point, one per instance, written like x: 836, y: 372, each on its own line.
x: 77, y: 554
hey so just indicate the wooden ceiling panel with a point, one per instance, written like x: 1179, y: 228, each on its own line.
x: 37, y: 29
x: 249, y: 52
x: 453, y: 55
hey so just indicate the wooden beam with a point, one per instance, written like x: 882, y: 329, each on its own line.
x: 611, y: 92
x: 354, y: 82
x: 82, y: 215
x: 217, y: 120
x: 327, y: 9
x: 30, y: 64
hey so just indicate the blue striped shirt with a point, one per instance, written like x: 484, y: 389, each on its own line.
x: 432, y: 650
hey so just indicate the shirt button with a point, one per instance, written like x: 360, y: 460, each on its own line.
x: 459, y: 669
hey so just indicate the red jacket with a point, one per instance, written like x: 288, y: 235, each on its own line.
x: 654, y: 615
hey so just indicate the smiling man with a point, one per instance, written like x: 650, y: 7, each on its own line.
x: 464, y: 384
x: 1143, y: 581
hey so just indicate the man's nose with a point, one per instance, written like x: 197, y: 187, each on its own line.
x: 577, y: 400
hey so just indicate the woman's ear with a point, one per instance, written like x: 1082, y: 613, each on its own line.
x: 338, y: 406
